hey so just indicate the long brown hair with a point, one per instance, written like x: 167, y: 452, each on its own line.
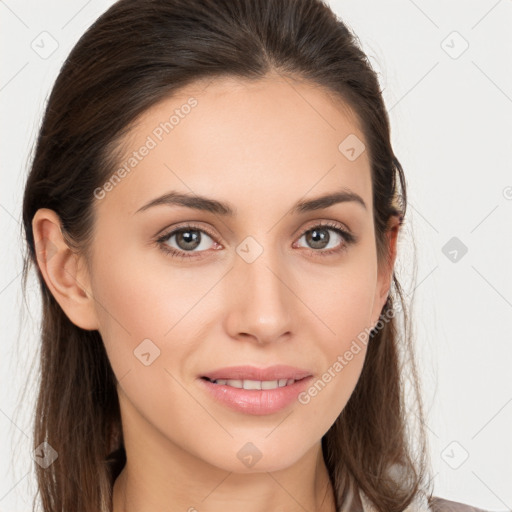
x: 135, y: 55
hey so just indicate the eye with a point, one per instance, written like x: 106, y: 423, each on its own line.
x: 190, y: 237
x: 318, y: 238
x: 187, y: 238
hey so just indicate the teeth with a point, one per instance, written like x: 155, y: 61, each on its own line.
x: 255, y: 384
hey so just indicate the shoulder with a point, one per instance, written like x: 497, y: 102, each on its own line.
x: 438, y: 504
x: 426, y: 503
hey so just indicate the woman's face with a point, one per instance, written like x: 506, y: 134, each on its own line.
x: 258, y: 286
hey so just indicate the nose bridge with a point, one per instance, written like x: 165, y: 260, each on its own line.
x: 261, y: 303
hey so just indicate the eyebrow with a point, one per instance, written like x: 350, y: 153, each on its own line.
x: 207, y: 204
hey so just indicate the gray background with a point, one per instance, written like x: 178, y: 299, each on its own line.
x: 446, y: 70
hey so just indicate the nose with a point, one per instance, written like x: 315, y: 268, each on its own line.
x: 261, y: 302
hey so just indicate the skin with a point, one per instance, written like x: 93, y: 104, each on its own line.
x: 260, y: 146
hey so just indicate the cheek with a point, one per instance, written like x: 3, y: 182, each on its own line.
x: 133, y: 307
x: 342, y: 301
x: 147, y: 335
x: 344, y: 357
x: 151, y: 313
x: 342, y: 327
x: 134, y: 302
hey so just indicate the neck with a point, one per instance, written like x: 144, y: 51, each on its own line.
x: 139, y: 489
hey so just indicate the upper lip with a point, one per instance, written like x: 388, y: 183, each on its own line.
x: 275, y: 372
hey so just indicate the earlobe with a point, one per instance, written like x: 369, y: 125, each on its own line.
x: 63, y: 270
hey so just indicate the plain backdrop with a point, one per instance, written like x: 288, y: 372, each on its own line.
x: 446, y: 70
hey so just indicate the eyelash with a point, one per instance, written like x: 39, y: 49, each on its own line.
x: 349, y: 239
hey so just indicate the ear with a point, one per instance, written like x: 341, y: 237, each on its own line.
x: 63, y: 270
x: 385, y: 273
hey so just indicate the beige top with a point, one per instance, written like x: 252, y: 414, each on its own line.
x: 420, y: 504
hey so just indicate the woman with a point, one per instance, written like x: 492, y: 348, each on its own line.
x: 213, y: 210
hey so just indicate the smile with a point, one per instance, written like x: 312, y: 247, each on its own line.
x: 254, y: 384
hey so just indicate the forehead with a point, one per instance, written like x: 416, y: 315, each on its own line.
x: 241, y: 140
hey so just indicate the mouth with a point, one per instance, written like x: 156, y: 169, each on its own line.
x: 254, y: 396
x: 254, y: 384
x: 252, y: 377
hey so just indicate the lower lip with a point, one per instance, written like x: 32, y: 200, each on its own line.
x: 256, y: 401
